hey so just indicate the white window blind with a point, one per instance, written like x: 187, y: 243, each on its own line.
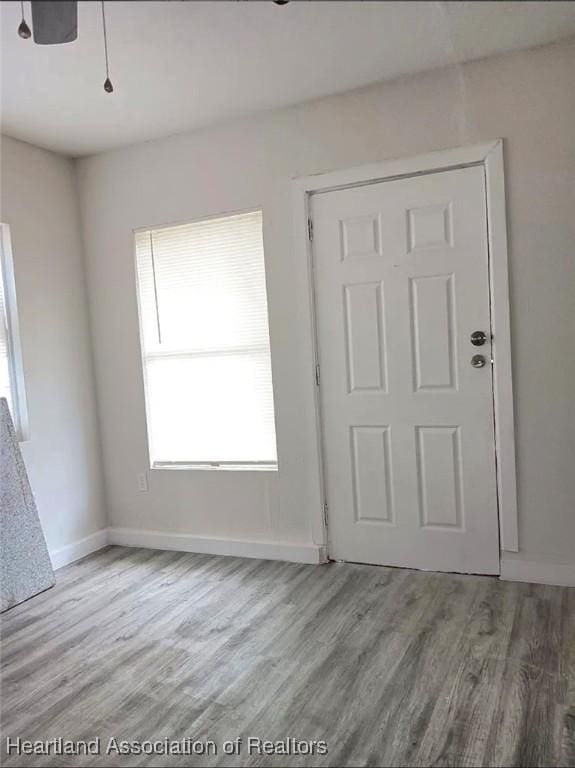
x: 5, y: 383
x: 11, y: 368
x: 205, y: 343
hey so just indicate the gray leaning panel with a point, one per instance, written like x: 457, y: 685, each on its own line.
x: 25, y: 563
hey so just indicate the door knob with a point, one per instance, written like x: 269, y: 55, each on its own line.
x: 478, y: 338
x: 478, y: 361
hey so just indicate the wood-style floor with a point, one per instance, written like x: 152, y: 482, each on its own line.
x: 389, y: 666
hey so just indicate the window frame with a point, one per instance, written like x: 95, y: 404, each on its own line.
x: 241, y: 466
x: 15, y: 362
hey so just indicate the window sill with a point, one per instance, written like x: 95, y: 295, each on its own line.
x: 211, y: 467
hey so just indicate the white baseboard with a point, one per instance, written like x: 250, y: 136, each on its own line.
x: 183, y: 542
x: 537, y: 572
x: 78, y: 549
x: 512, y: 569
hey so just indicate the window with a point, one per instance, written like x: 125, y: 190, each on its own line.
x: 205, y: 343
x: 11, y: 370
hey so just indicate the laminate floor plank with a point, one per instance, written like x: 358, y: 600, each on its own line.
x: 391, y: 667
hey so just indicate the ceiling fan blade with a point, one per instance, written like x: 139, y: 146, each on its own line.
x: 54, y: 22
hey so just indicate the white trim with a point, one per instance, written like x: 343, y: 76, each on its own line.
x: 18, y: 388
x: 303, y: 254
x: 439, y: 160
x: 536, y: 572
x: 490, y: 155
x: 78, y: 549
x: 501, y: 349
x: 184, y: 542
x: 228, y: 466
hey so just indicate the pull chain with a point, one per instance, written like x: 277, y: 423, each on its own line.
x: 108, y: 87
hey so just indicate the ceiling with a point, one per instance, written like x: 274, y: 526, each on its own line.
x: 180, y: 65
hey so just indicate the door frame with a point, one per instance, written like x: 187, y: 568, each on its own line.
x: 489, y: 155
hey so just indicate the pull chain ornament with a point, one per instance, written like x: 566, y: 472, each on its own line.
x: 24, y: 30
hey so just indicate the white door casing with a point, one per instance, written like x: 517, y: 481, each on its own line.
x: 401, y: 277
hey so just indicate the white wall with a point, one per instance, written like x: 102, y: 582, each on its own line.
x: 527, y: 98
x: 39, y: 203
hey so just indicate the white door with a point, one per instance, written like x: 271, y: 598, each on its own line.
x: 401, y: 282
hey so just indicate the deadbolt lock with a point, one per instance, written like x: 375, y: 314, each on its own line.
x: 478, y: 361
x: 478, y: 338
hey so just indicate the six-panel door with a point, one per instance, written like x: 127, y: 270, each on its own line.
x: 401, y: 282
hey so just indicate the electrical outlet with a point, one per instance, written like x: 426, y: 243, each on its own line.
x: 143, y: 482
